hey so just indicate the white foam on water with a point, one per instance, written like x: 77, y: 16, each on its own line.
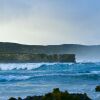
x: 12, y: 77
x: 95, y: 72
x: 22, y: 66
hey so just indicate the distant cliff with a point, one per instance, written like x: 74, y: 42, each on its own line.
x: 82, y: 52
x: 14, y: 57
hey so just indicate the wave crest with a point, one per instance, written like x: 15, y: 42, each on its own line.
x: 13, y: 78
x: 27, y: 66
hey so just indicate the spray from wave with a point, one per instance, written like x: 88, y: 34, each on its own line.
x: 30, y: 71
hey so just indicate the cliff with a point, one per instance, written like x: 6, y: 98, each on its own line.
x: 15, y: 57
x: 82, y: 52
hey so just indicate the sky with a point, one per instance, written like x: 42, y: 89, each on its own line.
x: 50, y: 22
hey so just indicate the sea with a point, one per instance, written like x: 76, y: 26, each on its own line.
x: 28, y: 79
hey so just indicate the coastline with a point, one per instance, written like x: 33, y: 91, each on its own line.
x: 56, y: 94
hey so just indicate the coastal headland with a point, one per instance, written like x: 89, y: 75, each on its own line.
x: 16, y: 57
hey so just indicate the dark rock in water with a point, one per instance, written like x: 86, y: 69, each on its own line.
x: 57, y: 95
x: 20, y: 98
x: 12, y: 98
x: 97, y: 89
x: 33, y: 98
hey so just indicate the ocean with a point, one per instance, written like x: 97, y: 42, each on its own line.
x: 28, y: 79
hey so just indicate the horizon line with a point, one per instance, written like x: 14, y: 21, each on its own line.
x: 53, y: 44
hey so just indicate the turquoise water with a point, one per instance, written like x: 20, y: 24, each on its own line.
x: 24, y: 79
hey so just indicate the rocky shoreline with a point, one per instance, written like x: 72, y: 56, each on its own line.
x: 56, y: 94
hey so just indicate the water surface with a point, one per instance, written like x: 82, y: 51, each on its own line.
x: 24, y: 79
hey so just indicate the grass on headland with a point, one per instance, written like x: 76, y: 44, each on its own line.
x: 56, y: 95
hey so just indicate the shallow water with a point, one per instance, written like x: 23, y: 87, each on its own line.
x: 24, y: 79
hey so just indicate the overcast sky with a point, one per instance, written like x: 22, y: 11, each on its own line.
x: 50, y: 21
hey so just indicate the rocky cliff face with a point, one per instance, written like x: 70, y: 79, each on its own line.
x: 82, y: 52
x: 14, y: 57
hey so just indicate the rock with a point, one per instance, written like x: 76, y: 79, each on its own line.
x: 12, y: 98
x: 57, y: 95
x: 97, y: 89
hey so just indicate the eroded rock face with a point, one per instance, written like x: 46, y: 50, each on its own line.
x: 14, y: 57
x: 56, y: 95
x: 97, y: 89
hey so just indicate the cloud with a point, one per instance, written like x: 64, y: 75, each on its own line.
x: 49, y: 21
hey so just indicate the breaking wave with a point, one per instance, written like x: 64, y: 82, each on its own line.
x: 74, y: 67
x: 13, y: 78
x: 29, y: 71
x: 28, y: 66
x: 82, y: 76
